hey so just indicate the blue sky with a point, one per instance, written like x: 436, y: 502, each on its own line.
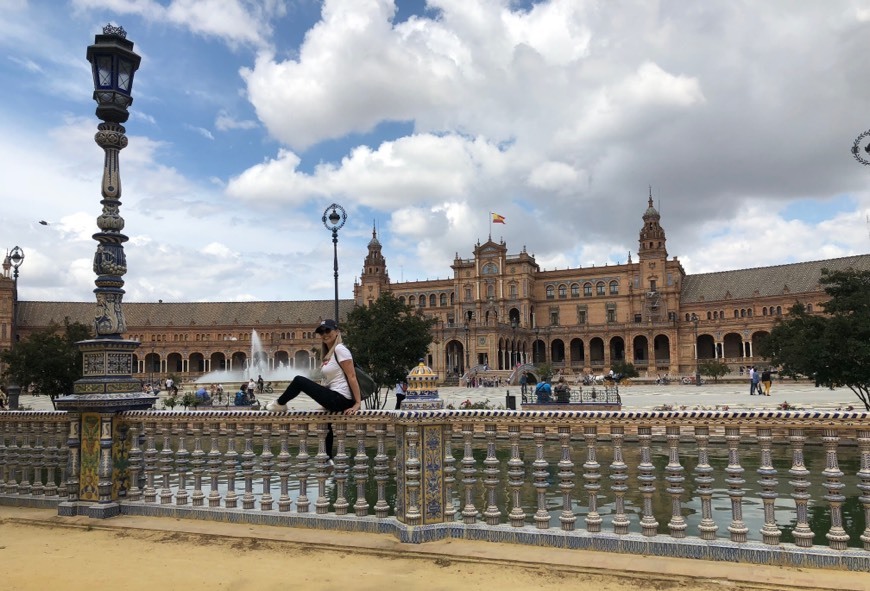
x: 250, y: 117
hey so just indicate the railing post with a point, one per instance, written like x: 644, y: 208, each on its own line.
x: 166, y: 465
x: 420, y: 464
x: 197, y: 461
x: 803, y: 535
x: 592, y: 476
x: 361, y: 465
x: 181, y: 462
x: 674, y: 477
x: 267, y: 459
x: 619, y: 477
x: 214, y: 465
x: 283, y: 466
x: 542, y: 516
x: 321, y: 505
x: 491, y: 513
x: 648, y: 524
x: 735, y: 482
x: 134, y: 493
x: 770, y: 533
x: 566, y: 481
x: 231, y: 458
x: 837, y: 536
x: 341, y: 468
x: 469, y: 511
x: 382, y: 471
x: 704, y: 479
x: 303, y: 504
x: 516, y: 478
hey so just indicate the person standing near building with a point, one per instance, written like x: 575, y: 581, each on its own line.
x: 754, y: 379
x: 524, y: 383
x: 765, y: 380
x: 401, y: 393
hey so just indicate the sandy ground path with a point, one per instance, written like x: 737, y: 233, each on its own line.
x: 40, y: 551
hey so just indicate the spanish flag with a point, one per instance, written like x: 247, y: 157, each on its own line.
x: 497, y: 219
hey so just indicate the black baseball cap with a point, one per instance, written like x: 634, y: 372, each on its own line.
x: 326, y: 325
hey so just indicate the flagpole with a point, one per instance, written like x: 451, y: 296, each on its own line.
x: 490, y: 225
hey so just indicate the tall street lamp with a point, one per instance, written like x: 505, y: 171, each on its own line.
x: 695, y: 321
x: 334, y: 217
x: 16, y: 259
x: 107, y: 386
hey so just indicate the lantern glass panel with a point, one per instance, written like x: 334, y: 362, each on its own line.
x: 125, y: 75
x: 104, y: 71
x: 104, y: 98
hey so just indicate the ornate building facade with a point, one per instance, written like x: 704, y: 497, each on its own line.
x: 496, y: 311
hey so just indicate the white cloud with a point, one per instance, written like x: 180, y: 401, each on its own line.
x: 201, y: 131
x: 224, y: 122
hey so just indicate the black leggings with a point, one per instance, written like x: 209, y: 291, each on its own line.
x: 328, y: 399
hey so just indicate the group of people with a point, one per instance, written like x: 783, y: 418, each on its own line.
x: 544, y: 392
x: 760, y: 381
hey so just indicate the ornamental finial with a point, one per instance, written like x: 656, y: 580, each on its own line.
x: 111, y: 29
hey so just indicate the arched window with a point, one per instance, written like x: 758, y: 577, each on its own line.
x: 809, y: 307
x: 513, y: 290
x: 550, y: 292
x: 422, y: 300
x: 402, y: 300
x: 575, y: 290
x: 614, y: 288
x: 688, y: 318
x: 710, y: 315
x: 764, y: 311
x: 432, y: 300
x: 749, y: 312
x: 599, y: 288
x: 563, y: 291
x: 743, y: 313
x: 412, y: 300
x: 736, y: 313
x: 779, y: 310
x: 587, y: 289
x: 443, y: 299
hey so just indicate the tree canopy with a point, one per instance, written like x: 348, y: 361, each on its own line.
x: 713, y: 368
x: 48, y: 360
x: 387, y: 339
x: 833, y: 349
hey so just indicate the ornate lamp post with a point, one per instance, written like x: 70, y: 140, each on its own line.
x: 16, y: 259
x: 107, y: 386
x: 334, y: 217
x: 695, y: 320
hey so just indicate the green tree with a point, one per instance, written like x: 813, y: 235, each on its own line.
x: 713, y: 368
x: 626, y: 369
x: 833, y: 349
x: 48, y: 361
x: 387, y: 339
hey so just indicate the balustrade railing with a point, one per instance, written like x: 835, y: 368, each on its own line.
x: 720, y: 485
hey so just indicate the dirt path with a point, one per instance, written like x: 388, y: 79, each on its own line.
x: 40, y: 551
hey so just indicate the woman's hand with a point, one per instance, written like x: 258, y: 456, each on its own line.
x: 352, y: 409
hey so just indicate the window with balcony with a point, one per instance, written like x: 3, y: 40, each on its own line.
x: 614, y: 288
x: 575, y: 290
x: 587, y: 289
x: 550, y: 292
x: 599, y: 288
x: 563, y: 291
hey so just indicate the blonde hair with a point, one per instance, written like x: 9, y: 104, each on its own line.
x: 331, y: 351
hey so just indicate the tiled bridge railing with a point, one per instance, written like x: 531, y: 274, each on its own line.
x: 669, y: 483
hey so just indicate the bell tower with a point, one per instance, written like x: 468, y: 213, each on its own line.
x: 374, y: 279
x: 652, y: 257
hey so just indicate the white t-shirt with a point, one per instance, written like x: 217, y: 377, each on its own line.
x: 333, y: 375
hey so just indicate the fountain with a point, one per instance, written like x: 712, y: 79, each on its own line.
x: 257, y: 365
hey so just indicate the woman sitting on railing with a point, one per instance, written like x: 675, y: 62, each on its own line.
x: 339, y: 391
